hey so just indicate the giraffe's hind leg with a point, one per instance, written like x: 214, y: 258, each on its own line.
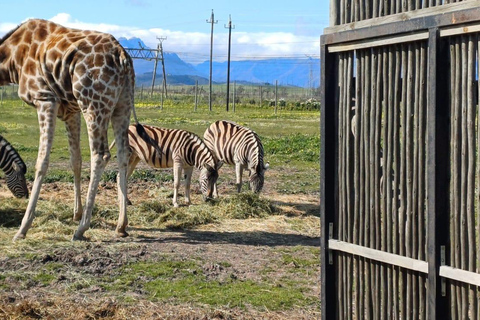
x: 47, y: 114
x: 133, y: 160
x: 120, y: 123
x: 73, y: 125
x: 99, y: 156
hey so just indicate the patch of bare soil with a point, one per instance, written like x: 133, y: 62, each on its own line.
x: 236, y: 249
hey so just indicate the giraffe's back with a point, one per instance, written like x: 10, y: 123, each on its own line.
x: 76, y: 66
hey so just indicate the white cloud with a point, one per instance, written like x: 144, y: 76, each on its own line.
x: 194, y: 47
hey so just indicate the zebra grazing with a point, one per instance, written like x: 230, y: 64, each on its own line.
x: 12, y: 164
x: 239, y: 146
x: 182, y: 150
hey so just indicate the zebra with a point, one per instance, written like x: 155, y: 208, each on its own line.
x: 239, y: 146
x: 12, y: 164
x: 182, y: 150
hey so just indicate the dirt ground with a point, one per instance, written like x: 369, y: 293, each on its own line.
x: 245, y: 248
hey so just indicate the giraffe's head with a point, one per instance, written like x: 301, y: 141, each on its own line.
x: 208, y: 178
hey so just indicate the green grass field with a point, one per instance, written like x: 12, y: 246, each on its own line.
x: 240, y: 256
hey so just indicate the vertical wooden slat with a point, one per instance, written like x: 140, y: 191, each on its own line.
x: 463, y: 177
x: 456, y: 170
x: 388, y: 156
x: 371, y: 177
x: 409, y: 176
x: 383, y: 185
x: 421, y: 181
x: 366, y: 178
x: 415, y: 176
x: 396, y: 157
x: 349, y: 222
x: 357, y: 225
x: 376, y: 175
x: 403, y: 195
x: 470, y: 202
x: 453, y: 200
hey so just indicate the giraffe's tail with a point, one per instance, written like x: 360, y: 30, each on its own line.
x: 149, y: 140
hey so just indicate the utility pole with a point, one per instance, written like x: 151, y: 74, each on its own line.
x: 229, y: 49
x: 212, y: 21
x: 160, y: 48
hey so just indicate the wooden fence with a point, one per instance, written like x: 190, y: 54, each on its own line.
x: 400, y: 170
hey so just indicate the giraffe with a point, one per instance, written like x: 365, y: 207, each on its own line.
x: 65, y: 73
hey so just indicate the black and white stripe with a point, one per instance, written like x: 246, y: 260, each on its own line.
x: 12, y: 164
x: 239, y: 146
x: 182, y: 150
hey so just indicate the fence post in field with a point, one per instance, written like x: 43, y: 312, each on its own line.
x: 234, y: 94
x: 1, y: 96
x: 196, y: 95
x: 276, y: 97
x: 261, y: 96
x: 161, y: 99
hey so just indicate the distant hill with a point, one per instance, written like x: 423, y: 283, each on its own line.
x: 295, y: 72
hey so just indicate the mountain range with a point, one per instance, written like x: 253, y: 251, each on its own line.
x: 287, y: 71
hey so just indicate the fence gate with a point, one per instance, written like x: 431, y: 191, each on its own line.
x: 400, y: 163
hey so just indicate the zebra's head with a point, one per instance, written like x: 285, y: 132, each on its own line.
x: 16, y: 181
x: 208, y: 179
x: 257, y: 177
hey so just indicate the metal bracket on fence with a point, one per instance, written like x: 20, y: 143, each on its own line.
x: 442, y: 263
x: 330, y: 236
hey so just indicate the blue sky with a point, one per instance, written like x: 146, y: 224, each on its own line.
x: 263, y: 29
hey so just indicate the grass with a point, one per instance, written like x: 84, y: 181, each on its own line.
x: 291, y: 142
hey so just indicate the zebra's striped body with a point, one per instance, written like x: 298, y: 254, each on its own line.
x: 182, y: 150
x: 12, y: 164
x: 239, y: 146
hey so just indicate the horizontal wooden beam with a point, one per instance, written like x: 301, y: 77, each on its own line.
x: 380, y: 256
x: 457, y: 30
x: 371, y: 43
x: 460, y: 275
x: 455, y: 14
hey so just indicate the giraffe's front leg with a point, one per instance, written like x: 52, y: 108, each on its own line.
x: 73, y: 125
x: 188, y: 180
x: 47, y: 114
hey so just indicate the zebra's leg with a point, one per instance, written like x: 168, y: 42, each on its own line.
x: 177, y: 173
x: 73, y: 125
x: 132, y: 164
x: 47, y: 114
x: 188, y: 179
x: 238, y: 174
x: 99, y: 156
x: 215, y: 191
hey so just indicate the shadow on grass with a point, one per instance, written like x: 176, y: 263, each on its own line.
x: 250, y: 238
x: 306, y: 209
x: 11, y: 217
